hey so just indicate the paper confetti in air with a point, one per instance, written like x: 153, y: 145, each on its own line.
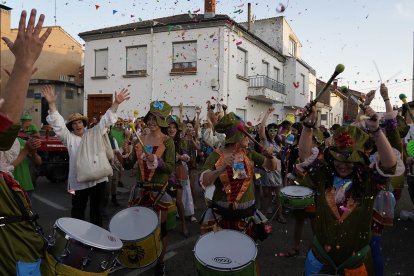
x: 97, y: 6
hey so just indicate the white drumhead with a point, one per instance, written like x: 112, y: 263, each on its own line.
x: 89, y: 233
x: 225, y: 249
x: 133, y: 223
x: 296, y: 191
x: 209, y: 192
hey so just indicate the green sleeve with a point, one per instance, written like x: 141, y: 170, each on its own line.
x: 211, y: 160
x: 7, y: 137
x: 168, y: 156
x: 257, y: 158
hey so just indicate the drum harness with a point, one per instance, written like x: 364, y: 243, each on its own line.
x: 26, y: 216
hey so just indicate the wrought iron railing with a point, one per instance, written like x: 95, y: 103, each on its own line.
x: 259, y: 81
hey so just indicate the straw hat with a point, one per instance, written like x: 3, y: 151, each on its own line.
x: 74, y: 117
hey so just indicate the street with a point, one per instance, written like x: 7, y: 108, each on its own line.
x: 52, y: 201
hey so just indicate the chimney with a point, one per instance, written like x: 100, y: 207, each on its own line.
x: 249, y: 15
x: 209, y: 8
x: 335, y: 85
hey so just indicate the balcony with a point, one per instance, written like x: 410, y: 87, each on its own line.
x: 265, y: 89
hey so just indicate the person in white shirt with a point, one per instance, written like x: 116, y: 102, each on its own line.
x: 71, y: 134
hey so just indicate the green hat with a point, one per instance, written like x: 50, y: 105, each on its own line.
x: 174, y: 119
x: 229, y: 126
x: 160, y: 109
x: 348, y: 144
x: 25, y: 116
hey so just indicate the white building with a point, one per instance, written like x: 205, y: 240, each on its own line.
x: 193, y: 59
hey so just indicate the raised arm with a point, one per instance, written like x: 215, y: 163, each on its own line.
x: 385, y: 151
x: 26, y: 49
x: 262, y: 129
x: 305, y: 141
x: 110, y: 116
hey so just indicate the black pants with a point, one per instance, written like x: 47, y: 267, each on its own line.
x: 80, y: 199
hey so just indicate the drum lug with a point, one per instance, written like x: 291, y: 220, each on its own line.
x: 85, y: 261
x: 51, y: 241
x: 65, y: 253
x: 104, y: 265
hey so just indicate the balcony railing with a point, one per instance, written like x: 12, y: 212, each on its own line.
x: 260, y: 81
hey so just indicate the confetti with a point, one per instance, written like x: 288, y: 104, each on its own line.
x: 296, y: 84
x: 97, y: 6
x: 238, y: 43
x: 281, y: 8
x: 114, y: 12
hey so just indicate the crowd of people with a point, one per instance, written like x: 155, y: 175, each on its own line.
x: 355, y: 172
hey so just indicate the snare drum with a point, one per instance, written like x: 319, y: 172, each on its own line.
x: 226, y: 252
x: 296, y: 197
x: 139, y: 229
x: 83, y: 246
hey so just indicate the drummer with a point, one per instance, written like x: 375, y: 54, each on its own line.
x: 230, y: 170
x: 346, y: 188
x: 156, y: 162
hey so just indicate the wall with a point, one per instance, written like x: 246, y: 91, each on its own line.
x: 61, y: 55
x: 337, y: 104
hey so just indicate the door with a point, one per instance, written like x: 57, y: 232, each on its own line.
x: 98, y: 105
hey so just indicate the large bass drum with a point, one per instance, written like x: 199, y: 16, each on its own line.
x: 83, y: 245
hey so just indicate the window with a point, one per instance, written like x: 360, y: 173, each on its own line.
x: 241, y: 113
x: 101, y: 62
x: 276, y: 73
x: 303, y: 83
x: 69, y: 94
x: 265, y: 68
x: 292, y: 47
x: 184, y: 56
x: 241, y: 62
x: 311, y: 96
x: 330, y: 119
x: 136, y: 60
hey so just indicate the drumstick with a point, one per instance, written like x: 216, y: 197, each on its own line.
x: 241, y: 128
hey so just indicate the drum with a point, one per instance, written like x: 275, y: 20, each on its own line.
x: 208, y: 194
x: 226, y: 252
x: 139, y: 229
x: 296, y: 197
x: 83, y: 246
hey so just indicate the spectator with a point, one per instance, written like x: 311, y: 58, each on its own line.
x: 71, y: 135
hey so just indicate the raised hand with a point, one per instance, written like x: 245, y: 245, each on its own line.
x: 369, y: 97
x: 49, y: 94
x: 384, y: 92
x: 121, y: 96
x: 373, y: 122
x: 28, y: 44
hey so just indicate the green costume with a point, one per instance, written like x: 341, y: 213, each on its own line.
x: 219, y: 193
x: 22, y: 172
x: 19, y: 241
x: 343, y: 230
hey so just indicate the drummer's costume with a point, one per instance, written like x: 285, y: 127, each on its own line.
x: 152, y: 178
x: 22, y: 247
x: 233, y: 202
x: 343, y: 223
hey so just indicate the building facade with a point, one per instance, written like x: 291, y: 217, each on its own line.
x: 58, y: 64
x: 192, y: 59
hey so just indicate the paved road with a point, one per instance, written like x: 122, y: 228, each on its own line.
x: 52, y: 202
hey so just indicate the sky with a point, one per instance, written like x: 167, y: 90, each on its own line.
x: 372, y: 38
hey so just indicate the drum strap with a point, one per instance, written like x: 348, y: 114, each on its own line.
x: 351, y: 261
x: 27, y: 216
